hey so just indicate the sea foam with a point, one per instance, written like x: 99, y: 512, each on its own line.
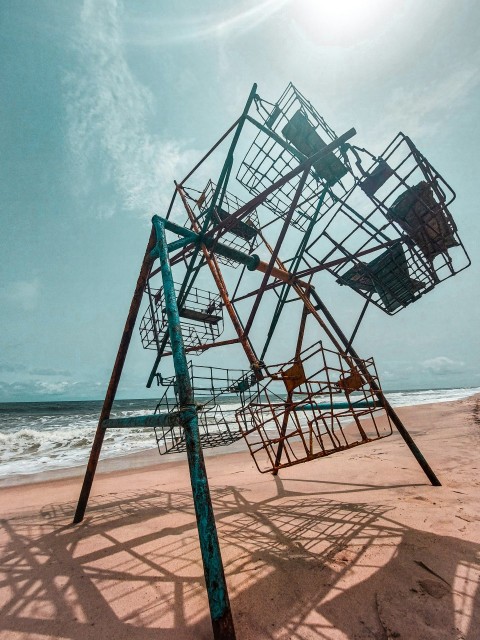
x: 36, y: 437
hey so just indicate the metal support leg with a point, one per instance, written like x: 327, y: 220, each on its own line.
x: 114, y: 380
x: 220, y: 611
x: 384, y: 402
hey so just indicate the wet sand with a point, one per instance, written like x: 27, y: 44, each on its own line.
x: 355, y: 546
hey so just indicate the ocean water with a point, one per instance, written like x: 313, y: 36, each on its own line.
x: 47, y: 436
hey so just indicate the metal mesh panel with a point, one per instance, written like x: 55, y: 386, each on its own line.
x: 315, y: 406
x: 218, y: 393
x: 295, y: 131
x: 201, y: 318
x: 392, y: 233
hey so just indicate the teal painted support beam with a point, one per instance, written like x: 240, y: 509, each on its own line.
x: 193, y: 236
x: 250, y: 261
x: 178, y: 244
x: 221, y: 615
x: 153, y: 420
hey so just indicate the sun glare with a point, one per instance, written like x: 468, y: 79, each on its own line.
x: 341, y: 22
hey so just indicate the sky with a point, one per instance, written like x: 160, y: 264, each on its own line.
x: 105, y: 102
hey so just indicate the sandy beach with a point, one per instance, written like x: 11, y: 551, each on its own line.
x: 354, y: 546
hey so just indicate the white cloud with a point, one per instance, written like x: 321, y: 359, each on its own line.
x: 19, y: 367
x: 22, y: 293
x: 420, y: 111
x: 388, y: 375
x: 222, y: 23
x: 9, y: 367
x: 399, y: 372
x: 47, y: 371
x: 108, y: 111
x: 51, y: 388
x: 34, y: 389
x: 441, y: 365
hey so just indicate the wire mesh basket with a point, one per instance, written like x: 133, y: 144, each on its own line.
x: 201, y: 318
x: 218, y: 393
x: 243, y: 235
x: 392, y: 235
x: 311, y: 407
x: 292, y: 131
x: 416, y: 199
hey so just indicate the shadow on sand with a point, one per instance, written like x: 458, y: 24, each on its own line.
x: 298, y: 566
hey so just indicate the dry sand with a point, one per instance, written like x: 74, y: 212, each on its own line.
x: 357, y: 545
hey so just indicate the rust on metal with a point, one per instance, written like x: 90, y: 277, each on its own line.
x: 247, y: 250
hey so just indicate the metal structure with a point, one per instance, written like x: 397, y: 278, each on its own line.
x: 247, y: 250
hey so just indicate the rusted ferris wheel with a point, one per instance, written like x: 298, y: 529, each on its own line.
x: 239, y: 272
